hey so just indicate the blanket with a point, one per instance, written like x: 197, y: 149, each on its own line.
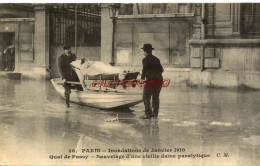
x: 92, y: 68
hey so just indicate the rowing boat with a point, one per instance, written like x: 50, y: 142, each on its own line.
x: 100, y: 98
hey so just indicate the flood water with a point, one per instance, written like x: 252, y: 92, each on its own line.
x: 221, y: 125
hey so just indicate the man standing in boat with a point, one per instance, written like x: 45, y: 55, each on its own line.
x: 152, y: 73
x: 66, y: 71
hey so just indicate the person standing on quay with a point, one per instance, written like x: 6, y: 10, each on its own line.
x: 9, y: 58
x: 152, y: 72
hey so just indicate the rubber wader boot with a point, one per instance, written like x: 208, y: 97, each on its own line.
x: 67, y: 101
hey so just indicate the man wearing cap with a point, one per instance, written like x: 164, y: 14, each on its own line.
x: 66, y: 71
x: 152, y: 72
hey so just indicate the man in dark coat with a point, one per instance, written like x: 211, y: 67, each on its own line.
x: 152, y: 72
x: 9, y: 58
x: 66, y: 71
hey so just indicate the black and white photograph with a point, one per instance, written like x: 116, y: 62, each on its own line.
x: 130, y: 84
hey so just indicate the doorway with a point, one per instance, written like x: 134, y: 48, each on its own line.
x: 7, y: 51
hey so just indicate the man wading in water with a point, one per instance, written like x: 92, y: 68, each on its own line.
x: 67, y: 73
x: 152, y: 72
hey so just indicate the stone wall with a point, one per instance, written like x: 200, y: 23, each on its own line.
x: 106, y: 34
x: 16, y: 10
x: 224, y: 58
x: 227, y: 62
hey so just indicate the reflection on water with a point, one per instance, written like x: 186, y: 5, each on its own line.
x: 34, y: 125
x: 151, y: 140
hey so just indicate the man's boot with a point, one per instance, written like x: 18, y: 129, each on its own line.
x: 148, y: 110
x: 67, y: 101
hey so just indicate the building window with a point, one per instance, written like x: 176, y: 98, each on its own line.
x: 158, y: 8
x: 154, y: 8
x: 62, y: 25
x: 126, y: 9
x: 250, y: 20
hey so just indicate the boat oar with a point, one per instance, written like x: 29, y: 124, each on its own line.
x: 72, y: 82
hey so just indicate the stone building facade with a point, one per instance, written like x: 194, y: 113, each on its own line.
x: 208, y: 44
x: 39, y: 31
x: 198, y: 44
x: 17, y: 28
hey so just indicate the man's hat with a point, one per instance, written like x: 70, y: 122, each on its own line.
x: 66, y: 47
x: 147, y: 46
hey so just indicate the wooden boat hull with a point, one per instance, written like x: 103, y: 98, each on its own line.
x: 100, y: 99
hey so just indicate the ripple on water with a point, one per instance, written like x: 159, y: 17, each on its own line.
x: 227, y: 124
x: 185, y: 123
x: 253, y: 140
